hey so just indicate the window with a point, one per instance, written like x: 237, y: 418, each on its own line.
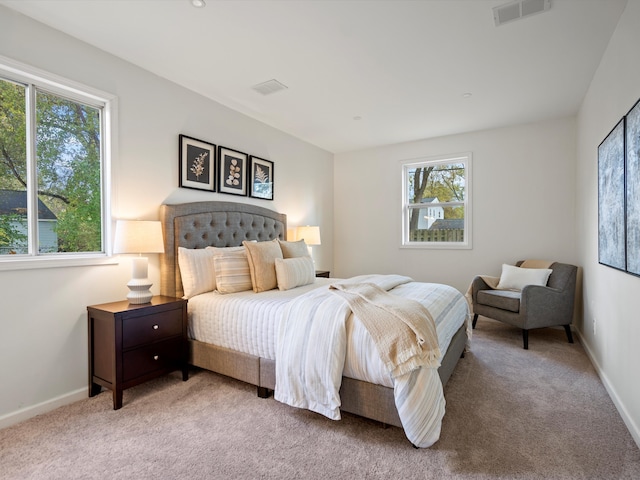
x: 54, y: 144
x: 436, y: 202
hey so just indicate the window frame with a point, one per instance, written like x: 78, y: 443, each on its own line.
x: 18, y: 72
x: 406, y: 165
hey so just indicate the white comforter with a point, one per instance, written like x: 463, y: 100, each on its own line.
x: 248, y: 322
x: 312, y: 347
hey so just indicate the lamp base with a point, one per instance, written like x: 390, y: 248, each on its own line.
x: 139, y: 291
x: 139, y: 285
x: 136, y: 297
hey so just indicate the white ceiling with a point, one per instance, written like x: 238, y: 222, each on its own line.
x: 402, y: 67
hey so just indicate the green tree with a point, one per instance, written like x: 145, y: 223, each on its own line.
x: 68, y: 162
x: 10, y: 234
x: 444, y: 182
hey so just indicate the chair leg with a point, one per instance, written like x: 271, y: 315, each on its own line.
x: 525, y: 339
x: 567, y: 328
x: 475, y: 320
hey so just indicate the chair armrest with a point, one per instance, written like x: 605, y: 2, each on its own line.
x: 545, y: 306
x: 478, y: 284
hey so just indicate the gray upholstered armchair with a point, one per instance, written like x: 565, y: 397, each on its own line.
x: 534, y: 307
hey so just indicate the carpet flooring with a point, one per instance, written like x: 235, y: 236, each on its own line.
x: 512, y: 413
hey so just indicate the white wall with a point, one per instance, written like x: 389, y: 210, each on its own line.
x: 611, y: 296
x: 522, y: 204
x: 43, y: 344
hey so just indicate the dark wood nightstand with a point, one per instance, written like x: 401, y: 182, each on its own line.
x: 323, y: 273
x: 130, y: 344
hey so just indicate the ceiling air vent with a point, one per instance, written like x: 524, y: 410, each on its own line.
x: 269, y: 87
x: 519, y: 9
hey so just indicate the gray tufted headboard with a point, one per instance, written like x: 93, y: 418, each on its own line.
x: 217, y: 224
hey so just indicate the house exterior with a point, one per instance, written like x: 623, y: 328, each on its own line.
x: 430, y: 214
x: 14, y: 202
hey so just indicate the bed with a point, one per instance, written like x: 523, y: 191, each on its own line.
x: 226, y: 224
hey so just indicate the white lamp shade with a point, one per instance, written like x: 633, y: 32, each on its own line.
x: 138, y: 236
x: 310, y: 234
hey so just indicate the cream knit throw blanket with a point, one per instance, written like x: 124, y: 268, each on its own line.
x: 403, y: 330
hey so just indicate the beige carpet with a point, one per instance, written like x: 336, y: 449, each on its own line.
x: 511, y: 413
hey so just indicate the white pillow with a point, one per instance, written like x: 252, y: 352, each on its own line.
x: 197, y: 271
x: 215, y: 250
x: 294, y: 272
x: 515, y: 278
x: 232, y: 271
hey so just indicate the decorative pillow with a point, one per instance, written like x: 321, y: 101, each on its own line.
x: 197, y: 271
x: 216, y: 250
x: 294, y: 249
x: 262, y: 264
x: 294, y: 272
x: 232, y: 272
x: 515, y: 278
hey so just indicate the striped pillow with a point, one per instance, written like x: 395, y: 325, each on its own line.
x: 196, y: 270
x: 232, y: 272
x: 294, y: 272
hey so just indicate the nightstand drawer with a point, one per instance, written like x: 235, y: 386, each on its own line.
x: 151, y: 328
x: 157, y: 356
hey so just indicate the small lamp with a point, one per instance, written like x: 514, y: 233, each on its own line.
x: 311, y: 236
x: 139, y: 236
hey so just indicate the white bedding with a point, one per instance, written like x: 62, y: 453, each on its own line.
x: 248, y: 322
x: 312, y: 345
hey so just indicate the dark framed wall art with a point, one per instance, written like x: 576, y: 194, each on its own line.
x: 232, y: 167
x: 633, y: 189
x: 261, y: 178
x: 611, y: 237
x: 197, y: 164
x: 619, y: 195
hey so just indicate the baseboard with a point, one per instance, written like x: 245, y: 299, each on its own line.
x: 44, y: 407
x: 628, y: 421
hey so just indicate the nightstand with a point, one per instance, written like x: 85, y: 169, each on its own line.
x: 323, y: 273
x: 130, y: 344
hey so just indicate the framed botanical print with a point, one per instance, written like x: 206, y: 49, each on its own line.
x: 232, y: 168
x: 197, y: 164
x: 261, y: 178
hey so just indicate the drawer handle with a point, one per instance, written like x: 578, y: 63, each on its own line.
x: 155, y: 327
x: 156, y: 357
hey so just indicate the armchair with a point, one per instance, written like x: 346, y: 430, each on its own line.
x: 534, y: 307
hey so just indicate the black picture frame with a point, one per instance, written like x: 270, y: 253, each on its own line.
x: 632, y: 189
x: 232, y: 171
x: 260, y: 178
x: 611, y: 199
x: 197, y: 164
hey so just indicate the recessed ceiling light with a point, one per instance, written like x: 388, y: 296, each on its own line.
x: 357, y: 117
x: 198, y: 3
x: 467, y: 95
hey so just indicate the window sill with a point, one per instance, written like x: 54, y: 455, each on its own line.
x: 435, y: 246
x: 31, y: 263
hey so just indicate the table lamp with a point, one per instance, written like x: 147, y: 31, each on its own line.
x: 139, y: 236
x: 310, y: 235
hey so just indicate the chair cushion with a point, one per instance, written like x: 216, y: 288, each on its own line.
x: 502, y: 299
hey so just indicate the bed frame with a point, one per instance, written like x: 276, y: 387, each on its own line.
x: 227, y: 224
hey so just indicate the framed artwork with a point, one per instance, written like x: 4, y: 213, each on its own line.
x: 197, y: 164
x: 232, y: 168
x: 261, y: 178
x: 611, y: 199
x: 632, y: 193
